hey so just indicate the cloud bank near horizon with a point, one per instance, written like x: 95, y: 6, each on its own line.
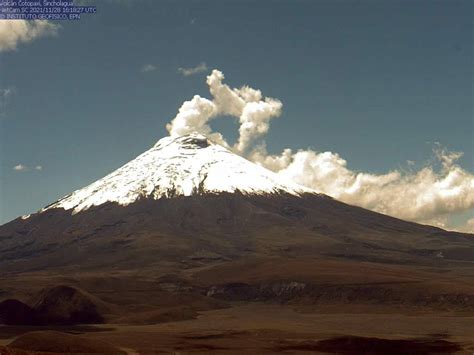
x: 430, y: 195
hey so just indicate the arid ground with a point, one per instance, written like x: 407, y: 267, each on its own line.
x: 374, y: 309
x: 232, y: 274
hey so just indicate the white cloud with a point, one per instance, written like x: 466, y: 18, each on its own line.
x: 20, y: 167
x: 468, y: 227
x: 13, y: 32
x: 24, y: 168
x: 429, y: 195
x: 148, y: 68
x: 426, y: 196
x: 5, y: 95
x: 202, y: 67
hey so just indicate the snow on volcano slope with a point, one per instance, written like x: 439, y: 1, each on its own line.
x: 182, y: 166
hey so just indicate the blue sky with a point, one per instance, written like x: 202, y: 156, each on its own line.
x: 378, y: 82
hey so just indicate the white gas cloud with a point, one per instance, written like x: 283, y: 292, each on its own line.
x: 13, y: 32
x: 429, y: 195
x: 254, y: 112
x: 200, y: 68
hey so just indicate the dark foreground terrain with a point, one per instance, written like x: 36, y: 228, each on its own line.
x: 256, y: 328
x: 260, y: 306
x: 234, y: 274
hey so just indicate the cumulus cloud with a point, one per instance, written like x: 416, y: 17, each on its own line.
x: 429, y: 195
x: 20, y: 167
x: 5, y: 93
x: 13, y: 32
x: 468, y: 227
x: 148, y: 68
x: 24, y: 168
x: 200, y: 68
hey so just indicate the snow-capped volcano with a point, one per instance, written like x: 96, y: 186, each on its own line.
x: 179, y: 166
x: 228, y: 208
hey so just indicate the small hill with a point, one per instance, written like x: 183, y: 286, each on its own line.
x: 14, y: 312
x: 66, y: 305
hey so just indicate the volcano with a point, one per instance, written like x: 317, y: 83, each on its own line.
x: 184, y: 166
x: 188, y: 198
x: 189, y: 226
